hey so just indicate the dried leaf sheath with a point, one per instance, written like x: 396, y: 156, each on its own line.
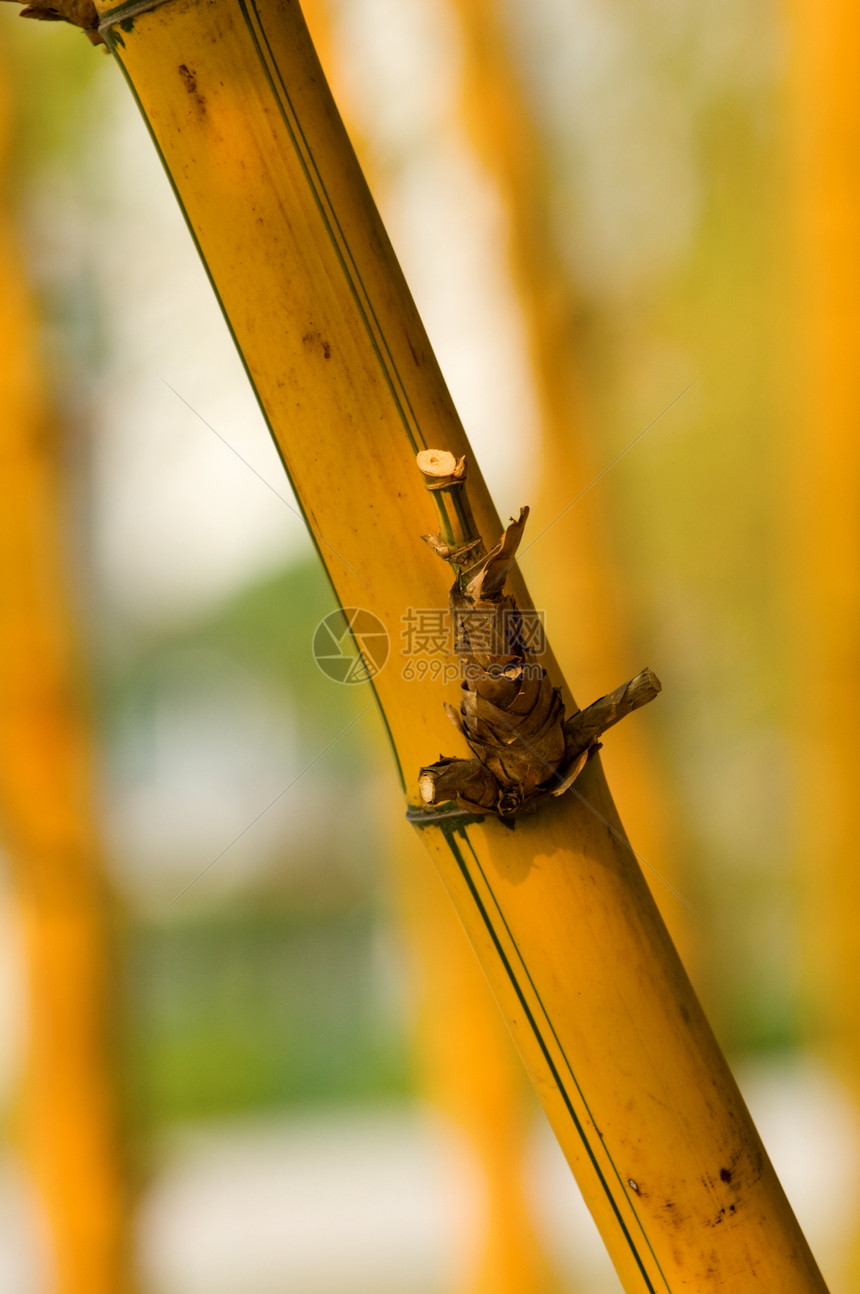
x: 80, y: 13
x: 510, y: 714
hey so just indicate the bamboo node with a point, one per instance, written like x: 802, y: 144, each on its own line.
x: 523, y: 748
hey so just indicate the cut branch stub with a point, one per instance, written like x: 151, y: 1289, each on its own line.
x: 584, y: 728
x: 510, y: 714
x: 459, y: 542
x: 440, y: 468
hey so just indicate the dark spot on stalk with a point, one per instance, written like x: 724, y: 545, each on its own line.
x: 189, y: 80
x: 313, y: 339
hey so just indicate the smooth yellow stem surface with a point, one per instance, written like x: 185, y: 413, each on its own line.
x: 466, y: 1064
x: 556, y: 907
x: 469, y: 1071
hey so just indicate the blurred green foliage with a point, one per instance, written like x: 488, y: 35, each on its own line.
x: 279, y: 997
x: 260, y: 1008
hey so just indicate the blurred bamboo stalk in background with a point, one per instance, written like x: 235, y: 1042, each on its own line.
x: 69, y: 1106
x: 611, y: 1032
x: 825, y: 518
x: 466, y: 1064
x: 590, y: 626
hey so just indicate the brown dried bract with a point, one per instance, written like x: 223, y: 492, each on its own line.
x: 510, y: 714
x: 80, y: 13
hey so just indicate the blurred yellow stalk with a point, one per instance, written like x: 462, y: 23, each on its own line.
x: 570, y: 938
x: 589, y: 626
x: 69, y: 1101
x: 825, y: 521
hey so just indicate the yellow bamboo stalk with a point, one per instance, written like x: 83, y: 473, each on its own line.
x: 467, y: 1067
x: 570, y: 938
x: 825, y: 103
x: 69, y: 1122
x: 469, y: 1071
x: 586, y: 589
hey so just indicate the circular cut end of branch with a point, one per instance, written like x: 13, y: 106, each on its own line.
x: 440, y: 466
x: 427, y: 788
